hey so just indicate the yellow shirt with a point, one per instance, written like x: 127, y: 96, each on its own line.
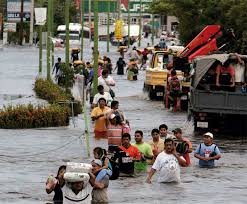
x: 100, y: 123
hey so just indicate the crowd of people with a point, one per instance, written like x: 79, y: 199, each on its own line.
x: 165, y: 153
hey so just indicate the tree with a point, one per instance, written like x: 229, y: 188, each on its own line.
x: 194, y: 15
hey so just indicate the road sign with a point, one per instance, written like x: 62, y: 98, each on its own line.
x: 14, y: 10
x: 9, y: 27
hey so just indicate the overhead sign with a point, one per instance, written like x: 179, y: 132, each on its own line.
x: 40, y: 16
x: 14, y: 10
x: 9, y: 27
x: 134, y: 6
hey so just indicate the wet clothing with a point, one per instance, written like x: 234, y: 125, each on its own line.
x: 58, y: 196
x: 146, y: 150
x: 100, y: 129
x: 83, y: 197
x: 74, y: 56
x: 100, y: 195
x: 106, y: 96
x: 156, y: 147
x: 120, y: 67
x: 106, y: 82
x: 239, y: 72
x: 126, y: 158
x: 114, y: 134
x: 168, y: 167
x: 187, y: 155
x: 208, y: 151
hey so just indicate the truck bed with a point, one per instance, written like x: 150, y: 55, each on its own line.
x: 219, y: 102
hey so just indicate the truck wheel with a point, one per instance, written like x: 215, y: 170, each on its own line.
x: 152, y: 94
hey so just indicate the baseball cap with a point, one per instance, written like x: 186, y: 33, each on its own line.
x: 97, y: 161
x: 209, y: 134
x: 177, y: 130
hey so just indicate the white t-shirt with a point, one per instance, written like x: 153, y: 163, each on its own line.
x: 104, y: 81
x: 106, y: 96
x: 83, y: 197
x: 168, y: 167
x: 239, y: 72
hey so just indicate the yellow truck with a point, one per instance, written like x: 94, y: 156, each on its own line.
x: 157, y: 74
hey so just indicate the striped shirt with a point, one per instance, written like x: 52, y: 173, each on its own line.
x: 114, y: 133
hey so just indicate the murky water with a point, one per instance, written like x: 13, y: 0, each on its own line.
x: 28, y: 156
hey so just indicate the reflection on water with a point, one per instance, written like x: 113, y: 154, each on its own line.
x: 28, y: 156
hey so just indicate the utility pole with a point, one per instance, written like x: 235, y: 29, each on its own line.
x: 82, y: 25
x: 152, y: 29
x: 67, y: 4
x: 40, y: 49
x: 95, y: 52
x: 140, y: 24
x: 31, y: 23
x: 48, y: 46
x: 89, y: 20
x: 52, y: 33
x: 119, y: 9
x: 128, y: 23
x: 21, y: 23
x: 108, y: 25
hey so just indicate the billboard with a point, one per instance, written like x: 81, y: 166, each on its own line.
x: 134, y: 5
x: 14, y: 10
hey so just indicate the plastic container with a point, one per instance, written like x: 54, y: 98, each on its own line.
x: 78, y: 167
x: 76, y: 177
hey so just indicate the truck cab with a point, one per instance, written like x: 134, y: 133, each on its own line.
x: 219, y: 109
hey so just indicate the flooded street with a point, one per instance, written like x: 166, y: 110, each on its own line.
x: 28, y: 156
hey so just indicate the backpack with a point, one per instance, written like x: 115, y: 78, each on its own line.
x: 212, y: 154
x: 113, y: 166
x: 175, y: 85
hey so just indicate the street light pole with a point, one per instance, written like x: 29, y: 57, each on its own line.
x: 140, y: 24
x: 82, y: 25
x: 48, y: 51
x: 31, y: 23
x: 40, y: 49
x: 108, y: 25
x: 67, y: 4
x: 95, y: 78
x: 52, y: 33
x: 128, y: 23
x: 89, y: 20
x: 152, y: 29
x: 21, y: 23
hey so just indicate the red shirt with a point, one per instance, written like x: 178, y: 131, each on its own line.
x: 230, y: 69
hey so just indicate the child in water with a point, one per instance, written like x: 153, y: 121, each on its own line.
x: 106, y: 169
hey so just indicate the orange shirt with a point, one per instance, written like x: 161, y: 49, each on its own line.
x: 132, y: 151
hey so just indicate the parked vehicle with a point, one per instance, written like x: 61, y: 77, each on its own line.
x: 214, y: 109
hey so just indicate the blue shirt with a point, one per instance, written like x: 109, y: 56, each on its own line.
x: 202, y: 149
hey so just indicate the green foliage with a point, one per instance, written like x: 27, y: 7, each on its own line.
x: 47, y: 90
x: 67, y: 77
x: 28, y: 116
x: 53, y: 93
x: 193, y: 15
